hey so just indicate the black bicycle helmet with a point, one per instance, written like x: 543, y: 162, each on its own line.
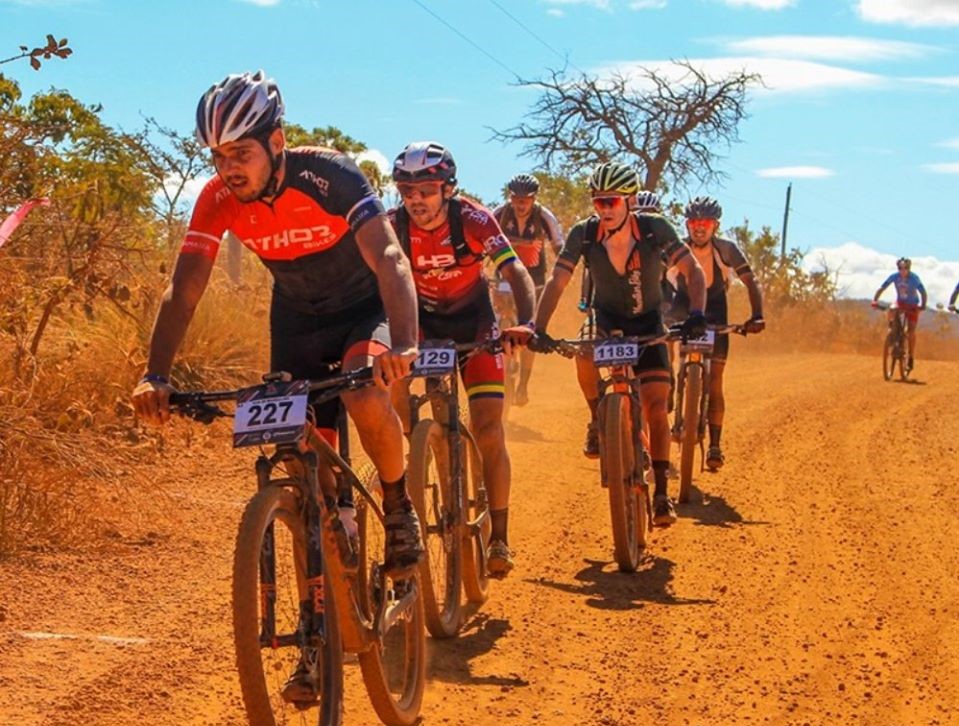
x: 523, y: 185
x: 424, y: 161
x: 704, y: 208
x: 647, y: 201
x: 614, y: 177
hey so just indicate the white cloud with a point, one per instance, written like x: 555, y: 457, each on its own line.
x: 824, y: 47
x: 862, y: 270
x: 945, y: 168
x: 949, y: 144
x: 779, y: 74
x: 647, y: 4
x: 795, y: 172
x: 262, y: 3
x: 944, y: 81
x: 761, y: 4
x: 555, y: 12
x: 910, y: 12
x: 378, y: 158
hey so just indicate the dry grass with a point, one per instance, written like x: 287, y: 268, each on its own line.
x: 69, y: 446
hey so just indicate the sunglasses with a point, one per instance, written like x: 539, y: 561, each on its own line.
x: 424, y: 189
x: 608, y: 202
x: 700, y: 222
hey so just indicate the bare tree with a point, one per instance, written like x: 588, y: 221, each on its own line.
x: 670, y: 122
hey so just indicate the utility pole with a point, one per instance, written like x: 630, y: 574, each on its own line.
x: 789, y: 192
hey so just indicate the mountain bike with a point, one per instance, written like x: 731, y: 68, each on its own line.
x: 504, y: 307
x: 692, y: 400
x: 447, y: 488
x: 304, y: 590
x: 895, y: 347
x: 619, y: 416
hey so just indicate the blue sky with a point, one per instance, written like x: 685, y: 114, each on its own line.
x: 860, y: 113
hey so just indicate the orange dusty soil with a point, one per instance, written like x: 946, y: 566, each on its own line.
x: 815, y: 580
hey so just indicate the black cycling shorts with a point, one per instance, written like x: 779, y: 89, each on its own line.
x: 652, y: 358
x: 306, y: 345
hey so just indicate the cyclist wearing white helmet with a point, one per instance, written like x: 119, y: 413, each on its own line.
x: 529, y: 226
x: 447, y: 238
x: 627, y: 253
x: 312, y: 218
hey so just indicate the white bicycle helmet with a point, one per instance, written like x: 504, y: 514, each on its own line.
x: 239, y: 106
x: 424, y: 161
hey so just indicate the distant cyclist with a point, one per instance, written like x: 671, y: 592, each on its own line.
x: 529, y: 226
x: 624, y: 251
x: 447, y: 238
x: 952, y: 299
x: 911, y: 298
x: 720, y: 258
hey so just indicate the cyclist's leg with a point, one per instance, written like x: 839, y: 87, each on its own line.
x: 587, y: 376
x: 527, y: 356
x: 381, y: 434
x: 654, y: 381
x: 717, y: 402
x: 912, y: 322
x: 484, y: 380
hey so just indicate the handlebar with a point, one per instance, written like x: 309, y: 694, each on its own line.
x: 199, y: 405
x: 543, y: 343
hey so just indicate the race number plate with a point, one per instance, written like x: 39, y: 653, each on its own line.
x: 274, y: 413
x: 435, y: 360
x: 700, y: 345
x: 616, y: 352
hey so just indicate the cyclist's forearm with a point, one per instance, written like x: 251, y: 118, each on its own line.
x: 173, y: 319
x: 755, y: 296
x: 550, y: 298
x: 524, y: 294
x: 399, y: 297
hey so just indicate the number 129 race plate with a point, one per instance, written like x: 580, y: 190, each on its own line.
x: 435, y: 360
x: 271, y: 414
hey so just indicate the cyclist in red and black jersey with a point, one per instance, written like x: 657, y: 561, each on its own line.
x: 720, y: 258
x: 447, y: 238
x: 314, y: 221
x: 529, y: 226
x: 626, y: 261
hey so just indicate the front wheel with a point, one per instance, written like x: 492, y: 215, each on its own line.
x: 618, y: 464
x: 431, y: 489
x: 394, y: 667
x: 889, y: 356
x: 477, y: 523
x: 269, y: 600
x: 690, y: 437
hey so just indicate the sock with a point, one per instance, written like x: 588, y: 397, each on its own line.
x: 499, y: 518
x: 394, y: 494
x: 715, y: 432
x: 659, y: 476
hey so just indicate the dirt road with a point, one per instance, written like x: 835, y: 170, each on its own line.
x: 815, y: 580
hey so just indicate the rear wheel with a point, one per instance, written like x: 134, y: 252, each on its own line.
x: 617, y: 452
x: 394, y: 668
x: 266, y: 615
x: 690, y: 438
x: 430, y: 488
x: 479, y: 526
